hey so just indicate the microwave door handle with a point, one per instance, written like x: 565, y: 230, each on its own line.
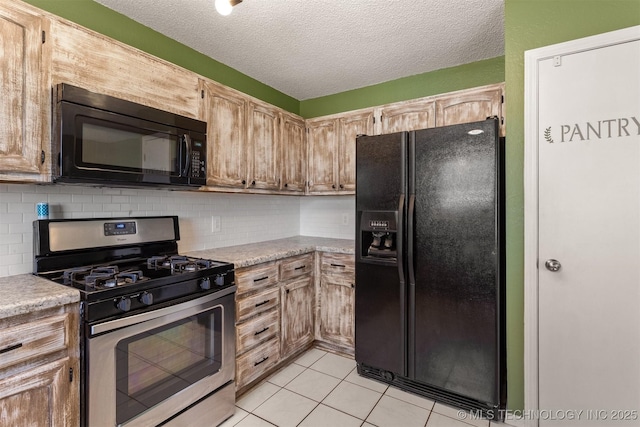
x: 187, y: 142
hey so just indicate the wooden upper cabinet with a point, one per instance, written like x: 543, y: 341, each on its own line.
x: 332, y: 150
x: 322, y: 143
x: 225, y: 114
x: 407, y: 116
x: 350, y: 127
x: 263, y: 145
x: 98, y: 63
x: 469, y: 105
x: 25, y: 104
x: 294, y: 154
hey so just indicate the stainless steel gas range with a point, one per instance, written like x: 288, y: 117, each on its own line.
x: 157, y: 329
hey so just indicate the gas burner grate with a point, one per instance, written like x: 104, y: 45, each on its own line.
x: 177, y: 263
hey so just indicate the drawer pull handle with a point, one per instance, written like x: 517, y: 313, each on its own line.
x: 337, y: 265
x: 262, y: 303
x: 11, y: 347
x: 264, y: 359
x: 260, y: 279
x: 300, y: 268
x: 264, y: 330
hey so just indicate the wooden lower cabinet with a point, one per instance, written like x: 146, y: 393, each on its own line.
x: 36, y: 397
x: 253, y: 364
x: 257, y: 322
x: 39, y: 368
x: 274, y: 315
x: 336, y: 302
x: 283, y: 306
x: 335, y: 326
x: 296, y: 300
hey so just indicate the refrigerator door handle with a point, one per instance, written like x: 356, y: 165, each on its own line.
x: 399, y: 242
x: 410, y: 238
x: 411, y: 341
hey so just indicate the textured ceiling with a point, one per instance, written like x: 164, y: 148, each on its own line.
x: 312, y: 48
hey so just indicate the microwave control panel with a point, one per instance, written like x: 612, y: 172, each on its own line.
x: 198, y: 159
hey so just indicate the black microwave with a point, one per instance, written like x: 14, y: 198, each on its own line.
x: 102, y: 140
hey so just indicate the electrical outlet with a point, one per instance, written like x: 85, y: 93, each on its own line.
x: 215, y: 224
x: 345, y: 219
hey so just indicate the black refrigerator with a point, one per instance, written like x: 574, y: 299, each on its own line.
x: 429, y: 298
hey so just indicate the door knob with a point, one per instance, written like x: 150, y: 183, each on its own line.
x: 552, y: 265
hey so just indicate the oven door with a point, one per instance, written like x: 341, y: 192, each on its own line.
x: 144, y: 369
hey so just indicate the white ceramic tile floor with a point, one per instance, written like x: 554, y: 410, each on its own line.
x: 321, y: 389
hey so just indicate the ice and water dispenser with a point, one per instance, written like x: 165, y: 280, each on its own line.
x: 378, y: 236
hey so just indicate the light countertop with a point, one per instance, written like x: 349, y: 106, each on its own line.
x: 256, y: 253
x: 26, y: 293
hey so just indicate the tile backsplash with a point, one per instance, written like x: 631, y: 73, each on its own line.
x: 240, y: 218
x: 328, y: 216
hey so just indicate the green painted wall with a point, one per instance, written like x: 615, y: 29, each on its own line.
x: 530, y: 24
x: 432, y: 83
x: 115, y: 25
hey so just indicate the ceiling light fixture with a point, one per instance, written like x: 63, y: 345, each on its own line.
x: 224, y: 7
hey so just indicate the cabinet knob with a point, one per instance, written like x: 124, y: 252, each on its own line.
x: 253, y: 183
x: 244, y: 181
x: 333, y: 186
x: 341, y: 186
x: 286, y: 185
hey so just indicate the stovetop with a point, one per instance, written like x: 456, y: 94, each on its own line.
x: 123, y: 266
x: 159, y: 268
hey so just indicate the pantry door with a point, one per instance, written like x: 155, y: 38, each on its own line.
x: 582, y: 231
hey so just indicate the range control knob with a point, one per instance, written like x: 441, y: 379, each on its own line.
x: 219, y: 280
x: 205, y: 285
x: 146, y: 298
x: 124, y: 304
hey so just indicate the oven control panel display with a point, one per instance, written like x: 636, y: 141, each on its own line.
x: 119, y: 228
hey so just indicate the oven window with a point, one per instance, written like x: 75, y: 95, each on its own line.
x: 158, y: 363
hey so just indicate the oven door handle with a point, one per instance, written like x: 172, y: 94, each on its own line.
x: 195, y: 306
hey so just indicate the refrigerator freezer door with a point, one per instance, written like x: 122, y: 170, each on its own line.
x: 454, y: 335
x: 380, y: 301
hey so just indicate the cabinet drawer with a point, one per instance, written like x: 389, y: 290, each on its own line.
x: 256, y: 330
x: 33, y: 340
x: 254, y: 363
x: 256, y: 277
x: 258, y: 303
x: 296, y: 266
x: 337, y: 263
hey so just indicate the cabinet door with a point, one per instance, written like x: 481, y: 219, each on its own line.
x: 322, y: 142
x: 407, y: 116
x: 350, y: 127
x: 469, y: 106
x: 294, y: 154
x: 42, y: 396
x: 336, y: 310
x: 297, y: 315
x: 225, y: 113
x: 25, y: 103
x: 263, y: 146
